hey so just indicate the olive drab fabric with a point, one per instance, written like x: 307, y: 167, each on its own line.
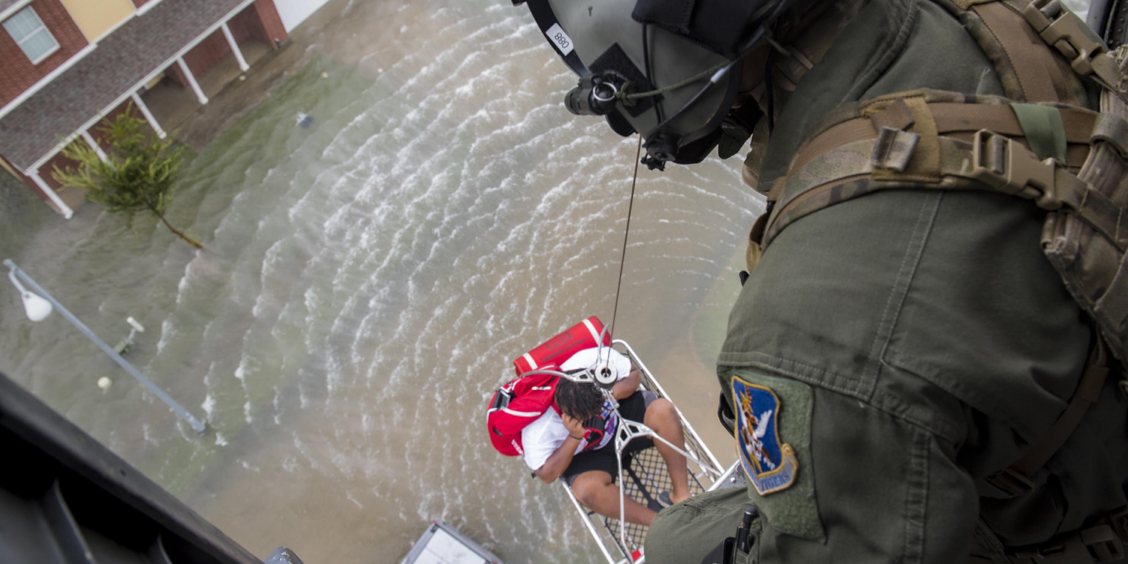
x: 937, y: 341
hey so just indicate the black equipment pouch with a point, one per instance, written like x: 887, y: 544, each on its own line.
x: 736, y: 549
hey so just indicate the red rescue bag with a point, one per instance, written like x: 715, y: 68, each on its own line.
x: 583, y: 335
x: 515, y: 406
x: 521, y: 401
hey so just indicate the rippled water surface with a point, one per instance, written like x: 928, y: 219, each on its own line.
x: 367, y: 282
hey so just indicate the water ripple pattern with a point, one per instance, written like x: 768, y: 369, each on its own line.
x: 368, y: 280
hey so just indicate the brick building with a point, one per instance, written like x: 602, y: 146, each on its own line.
x: 65, y: 65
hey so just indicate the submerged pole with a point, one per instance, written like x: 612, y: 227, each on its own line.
x: 196, y: 424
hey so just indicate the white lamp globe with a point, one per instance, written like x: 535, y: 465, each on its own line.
x: 37, y: 308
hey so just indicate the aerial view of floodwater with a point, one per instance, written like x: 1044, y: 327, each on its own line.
x: 367, y: 281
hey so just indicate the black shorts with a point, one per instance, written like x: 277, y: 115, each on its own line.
x: 632, y: 408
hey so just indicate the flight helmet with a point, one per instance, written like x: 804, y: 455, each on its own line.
x: 668, y: 69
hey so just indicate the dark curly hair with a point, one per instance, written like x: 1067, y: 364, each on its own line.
x: 578, y: 400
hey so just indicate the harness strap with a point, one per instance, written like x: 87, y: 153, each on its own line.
x: 994, y: 162
x: 1102, y: 542
x: 952, y: 118
x: 1018, y: 478
x: 1039, y: 77
x: 940, y: 147
x: 1087, y: 54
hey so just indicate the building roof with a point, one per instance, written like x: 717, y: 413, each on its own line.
x: 5, y: 4
x: 127, y: 56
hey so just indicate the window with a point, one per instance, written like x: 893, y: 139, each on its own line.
x: 31, y: 35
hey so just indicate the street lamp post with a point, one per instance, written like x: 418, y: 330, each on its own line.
x: 38, y: 306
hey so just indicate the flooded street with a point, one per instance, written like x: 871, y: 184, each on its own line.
x: 367, y: 282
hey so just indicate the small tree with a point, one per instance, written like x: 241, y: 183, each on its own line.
x: 137, y: 175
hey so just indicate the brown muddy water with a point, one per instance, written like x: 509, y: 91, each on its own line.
x: 367, y: 282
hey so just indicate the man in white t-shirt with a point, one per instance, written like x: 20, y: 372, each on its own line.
x: 579, y: 444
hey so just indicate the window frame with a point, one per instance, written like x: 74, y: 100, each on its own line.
x: 42, y: 27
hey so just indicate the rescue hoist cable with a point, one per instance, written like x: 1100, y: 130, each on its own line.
x: 626, y: 234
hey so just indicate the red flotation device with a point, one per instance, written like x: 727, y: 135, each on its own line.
x: 515, y: 406
x: 523, y: 400
x: 583, y: 335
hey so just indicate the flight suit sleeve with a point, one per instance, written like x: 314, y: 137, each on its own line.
x: 884, y: 491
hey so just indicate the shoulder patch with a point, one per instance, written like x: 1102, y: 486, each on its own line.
x: 770, y: 464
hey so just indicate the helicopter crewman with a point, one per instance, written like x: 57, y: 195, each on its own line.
x: 925, y: 361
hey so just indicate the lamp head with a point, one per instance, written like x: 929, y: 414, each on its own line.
x: 37, y: 308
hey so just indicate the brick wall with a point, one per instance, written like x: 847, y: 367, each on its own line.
x: 16, y: 71
x: 259, y: 21
x: 247, y: 25
x: 271, y: 21
x: 46, y: 172
x: 207, y: 53
x: 202, y: 57
x: 173, y: 73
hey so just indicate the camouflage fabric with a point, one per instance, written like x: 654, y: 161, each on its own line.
x: 937, y: 341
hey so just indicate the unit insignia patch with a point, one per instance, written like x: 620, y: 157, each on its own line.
x: 770, y: 465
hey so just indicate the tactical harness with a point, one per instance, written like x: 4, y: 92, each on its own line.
x: 1038, y: 143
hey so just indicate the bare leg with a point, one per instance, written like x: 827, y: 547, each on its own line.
x: 595, y: 489
x: 663, y: 418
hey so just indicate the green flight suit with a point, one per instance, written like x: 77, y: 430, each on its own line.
x: 917, y: 342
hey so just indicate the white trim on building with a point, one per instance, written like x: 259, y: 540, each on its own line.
x: 147, y: 6
x: 243, y: 66
x: 51, y: 195
x: 94, y: 145
x: 144, y: 80
x: 148, y: 115
x: 13, y: 9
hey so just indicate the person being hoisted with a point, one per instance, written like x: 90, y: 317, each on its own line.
x: 578, y: 443
x: 929, y: 343
x: 569, y: 429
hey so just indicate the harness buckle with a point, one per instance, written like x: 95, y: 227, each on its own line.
x: 1119, y: 523
x: 1010, y: 482
x: 1103, y: 543
x: 1094, y: 544
x: 1064, y: 32
x: 1008, y: 167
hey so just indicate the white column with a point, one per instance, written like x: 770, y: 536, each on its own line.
x: 94, y: 145
x: 192, y: 81
x: 67, y: 212
x: 243, y: 66
x: 148, y: 115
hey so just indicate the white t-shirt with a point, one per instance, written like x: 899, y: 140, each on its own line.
x: 543, y: 436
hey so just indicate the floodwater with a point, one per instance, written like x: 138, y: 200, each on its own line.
x: 367, y: 282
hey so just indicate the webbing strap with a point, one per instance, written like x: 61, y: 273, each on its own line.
x: 988, y: 544
x: 991, y: 162
x: 1113, y: 130
x: 1033, y: 63
x: 1063, y: 30
x: 1113, y: 305
x: 922, y: 153
x: 950, y: 118
x: 1018, y: 479
x: 1044, y: 130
